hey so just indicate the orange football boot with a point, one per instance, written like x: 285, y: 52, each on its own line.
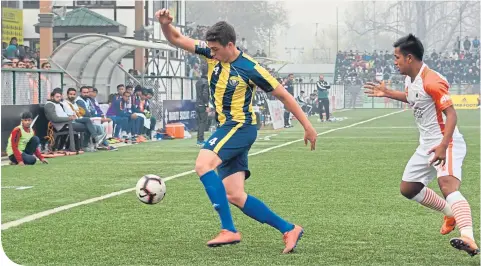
x: 225, y: 237
x: 448, y: 225
x: 291, y: 238
x: 466, y: 244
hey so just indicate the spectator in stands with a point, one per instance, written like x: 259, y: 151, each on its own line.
x: 12, y: 49
x: 467, y: 44
x: 263, y: 54
x: 22, y: 146
x: 289, y: 85
x: 7, y: 63
x: 323, y: 96
x: 21, y: 64
x: 476, y: 43
x: 15, y: 62
x: 202, y: 106
x: 194, y: 72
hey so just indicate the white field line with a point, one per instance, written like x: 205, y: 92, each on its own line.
x: 42, y: 214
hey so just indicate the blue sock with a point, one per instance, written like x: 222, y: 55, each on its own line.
x: 258, y: 211
x: 217, y: 195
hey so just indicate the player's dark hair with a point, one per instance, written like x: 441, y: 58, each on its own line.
x: 27, y: 115
x: 130, y: 87
x: 120, y: 85
x: 84, y: 87
x: 221, y: 32
x: 71, y: 89
x: 410, y: 45
x: 126, y: 92
x: 55, y: 91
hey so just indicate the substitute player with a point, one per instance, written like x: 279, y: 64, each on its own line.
x: 232, y: 77
x: 441, y: 147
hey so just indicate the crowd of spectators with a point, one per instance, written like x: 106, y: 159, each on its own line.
x: 461, y: 66
x: 14, y: 52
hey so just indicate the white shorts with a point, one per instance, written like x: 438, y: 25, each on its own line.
x: 419, y: 170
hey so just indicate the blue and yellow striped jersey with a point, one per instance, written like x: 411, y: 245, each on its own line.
x: 232, y: 85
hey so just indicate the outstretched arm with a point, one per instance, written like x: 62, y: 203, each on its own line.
x: 380, y: 90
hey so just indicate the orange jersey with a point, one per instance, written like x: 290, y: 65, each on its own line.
x: 429, y: 95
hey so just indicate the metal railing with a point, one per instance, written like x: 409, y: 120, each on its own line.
x: 28, y: 86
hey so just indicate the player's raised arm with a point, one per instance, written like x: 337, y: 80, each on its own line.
x: 267, y: 83
x: 172, y: 34
x: 380, y: 90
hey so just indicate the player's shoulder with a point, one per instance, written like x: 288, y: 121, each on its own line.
x: 246, y: 62
x: 432, y: 79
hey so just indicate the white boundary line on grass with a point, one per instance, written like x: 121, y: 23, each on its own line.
x: 39, y: 215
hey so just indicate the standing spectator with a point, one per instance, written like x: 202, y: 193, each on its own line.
x: 263, y: 54
x: 289, y: 85
x: 476, y: 43
x: 194, y: 72
x: 22, y: 147
x: 323, y: 96
x: 243, y: 44
x: 467, y: 44
x: 457, y: 44
x: 11, y: 51
x: 6, y: 63
x: 202, y: 105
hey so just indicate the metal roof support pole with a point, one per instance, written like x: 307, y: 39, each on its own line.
x: 109, y: 78
x: 66, y: 72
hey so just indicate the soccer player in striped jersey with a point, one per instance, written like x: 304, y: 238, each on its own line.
x: 232, y: 77
x: 441, y: 149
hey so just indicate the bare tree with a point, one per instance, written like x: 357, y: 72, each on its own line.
x: 436, y: 23
x: 256, y: 21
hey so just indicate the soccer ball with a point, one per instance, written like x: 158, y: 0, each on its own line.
x: 150, y: 189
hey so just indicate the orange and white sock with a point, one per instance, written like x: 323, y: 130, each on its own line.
x: 428, y: 198
x: 462, y: 213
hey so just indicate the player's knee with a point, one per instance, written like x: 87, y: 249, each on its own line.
x: 237, y: 198
x: 203, y: 166
x: 448, y: 185
x: 410, y: 189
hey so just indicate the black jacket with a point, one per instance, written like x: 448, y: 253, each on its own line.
x: 202, y: 92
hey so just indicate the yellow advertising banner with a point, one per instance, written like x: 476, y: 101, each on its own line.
x: 12, y: 24
x: 465, y: 101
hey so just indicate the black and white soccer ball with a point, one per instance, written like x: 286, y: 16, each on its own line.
x: 150, y: 189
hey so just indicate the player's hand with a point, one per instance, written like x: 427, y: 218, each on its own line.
x: 164, y: 16
x: 21, y: 164
x: 375, y: 89
x: 439, y: 155
x: 310, y: 136
x: 44, y: 161
x: 134, y: 116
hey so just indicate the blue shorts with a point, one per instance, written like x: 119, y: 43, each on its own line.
x: 232, y: 142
